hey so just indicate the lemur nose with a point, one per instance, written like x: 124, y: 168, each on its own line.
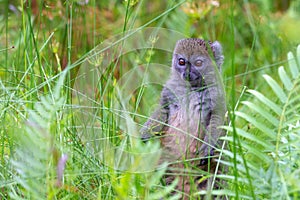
x: 187, y: 67
x: 188, y: 64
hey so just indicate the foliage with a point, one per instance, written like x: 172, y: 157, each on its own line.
x: 266, y: 150
x: 32, y: 159
x: 59, y: 142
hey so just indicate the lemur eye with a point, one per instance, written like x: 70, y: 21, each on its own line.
x: 181, y: 61
x: 199, y: 63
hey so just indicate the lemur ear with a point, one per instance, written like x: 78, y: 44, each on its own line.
x: 218, y: 53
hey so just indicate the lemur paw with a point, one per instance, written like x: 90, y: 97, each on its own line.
x: 206, y: 155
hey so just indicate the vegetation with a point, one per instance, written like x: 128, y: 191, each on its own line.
x: 79, y: 77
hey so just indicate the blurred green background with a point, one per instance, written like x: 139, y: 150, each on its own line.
x: 255, y: 34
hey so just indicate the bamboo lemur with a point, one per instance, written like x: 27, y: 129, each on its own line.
x: 192, y: 107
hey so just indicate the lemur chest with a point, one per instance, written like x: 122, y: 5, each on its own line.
x: 188, y: 116
x: 189, y: 112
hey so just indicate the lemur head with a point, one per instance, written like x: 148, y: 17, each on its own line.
x: 191, y: 59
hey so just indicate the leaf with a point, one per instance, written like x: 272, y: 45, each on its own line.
x: 250, y: 136
x: 276, y: 88
x: 293, y: 65
x: 250, y: 149
x: 224, y: 192
x: 276, y: 108
x: 285, y: 78
x: 298, y: 54
x: 162, y: 193
x: 261, y: 111
x: 270, y: 133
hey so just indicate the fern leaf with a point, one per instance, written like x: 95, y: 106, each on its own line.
x: 250, y: 137
x: 298, y: 54
x: 285, y: 78
x: 293, y: 65
x: 262, y: 111
x: 276, y: 88
x: 250, y: 150
x: 257, y: 124
x: 161, y: 194
x: 273, y: 106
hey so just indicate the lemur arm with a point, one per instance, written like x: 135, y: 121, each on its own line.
x: 216, y: 119
x: 155, y: 124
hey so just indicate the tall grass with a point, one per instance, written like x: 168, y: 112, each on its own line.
x: 84, y: 75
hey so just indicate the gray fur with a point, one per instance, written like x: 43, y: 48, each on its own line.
x: 192, y: 105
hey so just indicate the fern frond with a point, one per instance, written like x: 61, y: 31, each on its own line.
x: 269, y: 142
x: 142, y: 179
x: 32, y: 159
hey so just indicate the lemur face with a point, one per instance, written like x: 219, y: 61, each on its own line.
x: 192, y: 61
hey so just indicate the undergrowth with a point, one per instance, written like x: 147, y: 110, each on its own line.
x: 79, y: 78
